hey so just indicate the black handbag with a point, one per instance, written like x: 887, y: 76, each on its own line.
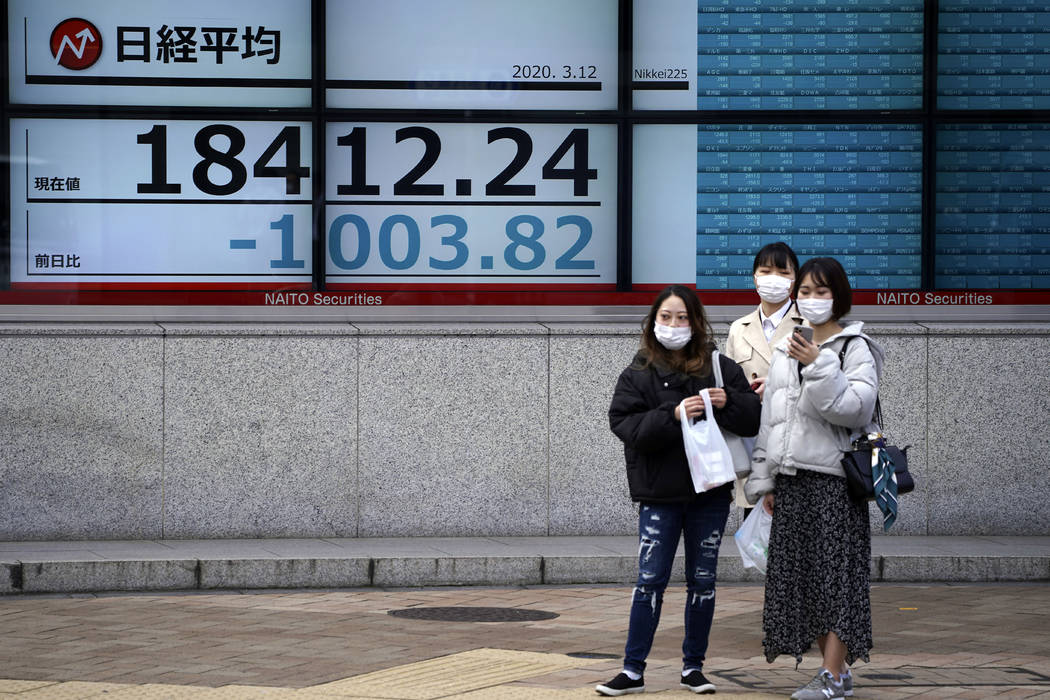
x: 857, y: 465
x: 857, y: 462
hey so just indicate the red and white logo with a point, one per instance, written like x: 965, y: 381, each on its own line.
x: 76, y: 43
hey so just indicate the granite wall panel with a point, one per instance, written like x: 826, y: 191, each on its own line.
x: 989, y: 430
x: 588, y: 494
x: 453, y: 430
x: 260, y: 432
x: 80, y: 432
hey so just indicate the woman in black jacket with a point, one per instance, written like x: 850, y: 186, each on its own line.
x: 665, y: 378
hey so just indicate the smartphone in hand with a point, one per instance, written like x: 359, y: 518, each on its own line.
x: 806, y: 332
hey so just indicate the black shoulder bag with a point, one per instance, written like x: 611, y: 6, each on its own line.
x: 860, y: 481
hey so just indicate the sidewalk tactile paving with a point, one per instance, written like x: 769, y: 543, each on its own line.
x: 72, y: 690
x: 510, y: 692
x: 155, y: 691
x: 11, y: 687
x: 242, y: 692
x: 449, y: 675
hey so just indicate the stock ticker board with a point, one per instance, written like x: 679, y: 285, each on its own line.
x: 993, y: 54
x: 993, y: 206
x: 849, y: 191
x: 420, y: 192
x: 810, y: 55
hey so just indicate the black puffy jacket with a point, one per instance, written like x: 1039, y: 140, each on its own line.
x: 642, y: 415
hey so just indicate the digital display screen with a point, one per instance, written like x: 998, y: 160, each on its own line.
x: 452, y: 150
x: 237, y: 53
x: 993, y: 54
x: 470, y: 203
x: 472, y: 54
x: 993, y: 206
x: 133, y: 202
x: 849, y: 191
x: 780, y: 54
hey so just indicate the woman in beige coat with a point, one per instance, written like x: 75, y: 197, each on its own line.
x: 752, y: 338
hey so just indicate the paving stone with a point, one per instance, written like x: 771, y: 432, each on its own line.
x: 932, y: 640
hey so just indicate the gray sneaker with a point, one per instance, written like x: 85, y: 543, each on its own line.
x: 822, y: 687
x: 847, y: 683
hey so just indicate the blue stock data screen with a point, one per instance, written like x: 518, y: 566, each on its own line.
x: 993, y: 54
x: 807, y: 54
x: 849, y: 191
x: 993, y: 206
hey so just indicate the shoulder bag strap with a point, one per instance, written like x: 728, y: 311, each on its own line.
x: 716, y: 368
x: 878, y: 405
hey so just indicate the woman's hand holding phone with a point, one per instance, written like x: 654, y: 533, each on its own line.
x: 801, y: 346
x: 804, y: 331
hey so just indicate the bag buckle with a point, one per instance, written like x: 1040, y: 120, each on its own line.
x: 862, y: 444
x: 868, y: 442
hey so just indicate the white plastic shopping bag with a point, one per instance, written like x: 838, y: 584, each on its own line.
x: 710, y: 462
x: 752, y: 538
x: 739, y: 447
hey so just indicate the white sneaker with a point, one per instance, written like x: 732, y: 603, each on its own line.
x: 822, y: 687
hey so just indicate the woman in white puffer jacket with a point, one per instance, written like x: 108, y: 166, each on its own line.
x: 818, y: 576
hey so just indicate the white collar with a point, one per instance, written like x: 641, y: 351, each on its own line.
x: 777, y: 317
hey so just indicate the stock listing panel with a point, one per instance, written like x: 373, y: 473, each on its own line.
x: 993, y: 206
x: 848, y: 191
x: 471, y: 145
x: 802, y: 55
x: 778, y: 54
x: 993, y: 54
x: 852, y: 191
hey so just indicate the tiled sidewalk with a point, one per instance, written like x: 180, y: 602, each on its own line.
x: 932, y: 641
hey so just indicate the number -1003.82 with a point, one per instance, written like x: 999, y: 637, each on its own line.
x: 399, y: 238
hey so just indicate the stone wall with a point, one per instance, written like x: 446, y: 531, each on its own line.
x: 174, y: 430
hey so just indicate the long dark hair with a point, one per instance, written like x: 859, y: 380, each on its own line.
x: 695, y: 357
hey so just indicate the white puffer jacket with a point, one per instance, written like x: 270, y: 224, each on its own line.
x: 809, y: 424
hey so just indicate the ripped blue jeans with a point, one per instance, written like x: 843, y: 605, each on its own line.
x: 659, y: 525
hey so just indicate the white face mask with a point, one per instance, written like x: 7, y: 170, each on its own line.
x: 672, y: 337
x: 773, y: 288
x: 816, y: 311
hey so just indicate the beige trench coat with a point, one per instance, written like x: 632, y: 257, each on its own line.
x: 747, y: 345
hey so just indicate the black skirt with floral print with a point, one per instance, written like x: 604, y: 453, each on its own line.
x: 818, y: 577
